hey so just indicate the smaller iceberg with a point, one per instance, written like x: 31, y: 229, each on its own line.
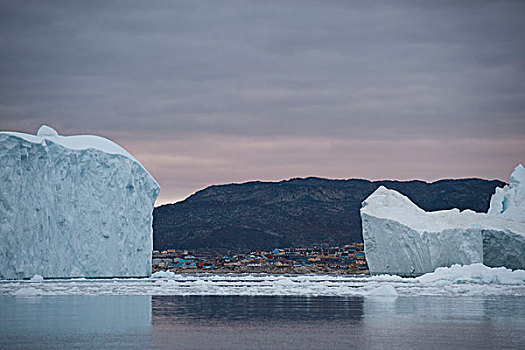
x: 475, y: 273
x: 403, y: 239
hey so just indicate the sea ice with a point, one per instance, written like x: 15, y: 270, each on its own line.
x: 401, y: 238
x: 73, y: 206
x: 468, y: 280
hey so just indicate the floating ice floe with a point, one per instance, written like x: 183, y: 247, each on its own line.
x: 37, y: 279
x: 401, y: 238
x: 28, y: 292
x: 73, y: 206
x: 386, y: 290
x: 163, y: 274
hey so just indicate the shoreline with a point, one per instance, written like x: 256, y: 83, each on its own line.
x: 300, y: 270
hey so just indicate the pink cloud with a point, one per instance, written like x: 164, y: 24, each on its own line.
x: 185, y: 165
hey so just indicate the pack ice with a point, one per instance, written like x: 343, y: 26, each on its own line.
x: 73, y: 206
x: 401, y: 238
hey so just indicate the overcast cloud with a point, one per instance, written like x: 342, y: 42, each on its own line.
x: 216, y: 92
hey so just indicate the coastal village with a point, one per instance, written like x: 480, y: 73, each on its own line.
x: 349, y: 259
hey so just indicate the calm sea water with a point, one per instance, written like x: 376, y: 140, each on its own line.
x: 261, y: 322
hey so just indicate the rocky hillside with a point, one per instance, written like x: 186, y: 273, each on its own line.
x: 297, y: 212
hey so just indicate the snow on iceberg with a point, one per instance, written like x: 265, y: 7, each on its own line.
x: 73, y: 206
x: 401, y: 238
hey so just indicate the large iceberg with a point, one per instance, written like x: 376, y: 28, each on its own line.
x: 73, y: 206
x: 401, y: 238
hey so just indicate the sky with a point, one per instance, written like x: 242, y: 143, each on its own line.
x: 214, y: 92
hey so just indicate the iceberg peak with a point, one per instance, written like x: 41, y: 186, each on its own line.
x: 517, y: 178
x: 46, y: 131
x: 384, y: 195
x: 509, y: 202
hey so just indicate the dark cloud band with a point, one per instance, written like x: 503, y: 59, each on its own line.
x: 358, y: 71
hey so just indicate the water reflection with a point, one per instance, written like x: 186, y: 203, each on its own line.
x: 173, y: 309
x: 75, y: 322
x: 473, y: 323
x: 336, y: 322
x: 256, y: 322
x: 261, y: 322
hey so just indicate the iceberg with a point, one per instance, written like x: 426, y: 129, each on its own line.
x: 403, y: 239
x: 73, y: 206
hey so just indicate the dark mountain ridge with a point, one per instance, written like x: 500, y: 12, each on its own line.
x: 296, y: 212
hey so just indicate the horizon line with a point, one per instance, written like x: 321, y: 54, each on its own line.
x: 322, y: 178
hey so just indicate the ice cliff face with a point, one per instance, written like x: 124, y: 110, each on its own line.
x: 402, y: 239
x: 77, y: 206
